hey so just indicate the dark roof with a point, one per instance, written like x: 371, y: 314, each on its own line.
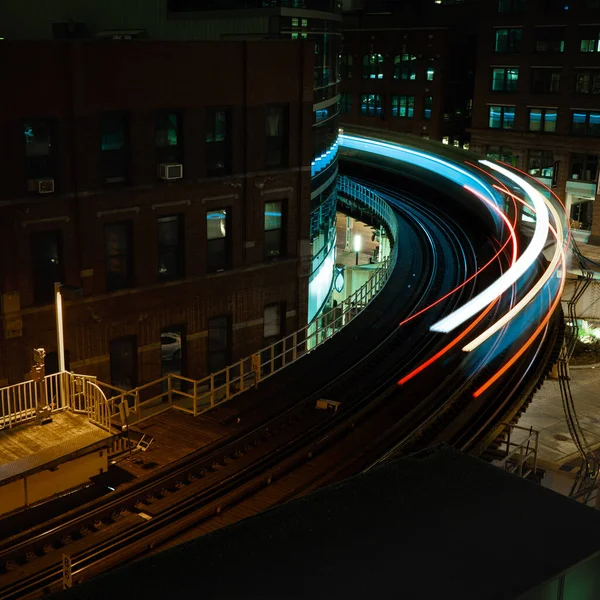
x: 437, y: 524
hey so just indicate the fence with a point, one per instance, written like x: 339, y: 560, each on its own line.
x: 109, y: 406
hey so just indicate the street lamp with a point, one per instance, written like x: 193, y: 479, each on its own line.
x: 357, y: 244
x: 59, y: 328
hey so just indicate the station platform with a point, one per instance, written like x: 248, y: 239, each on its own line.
x: 40, y: 461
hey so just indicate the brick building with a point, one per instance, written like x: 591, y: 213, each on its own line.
x: 537, y: 97
x: 407, y: 67
x: 169, y: 193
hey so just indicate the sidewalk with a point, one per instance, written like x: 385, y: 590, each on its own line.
x: 556, y: 451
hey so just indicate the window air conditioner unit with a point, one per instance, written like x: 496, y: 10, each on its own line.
x: 41, y: 186
x: 168, y: 171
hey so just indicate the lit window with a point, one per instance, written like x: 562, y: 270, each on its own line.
x: 504, y: 79
x: 372, y: 66
x: 508, y: 40
x: 541, y: 163
x: 370, y: 105
x: 403, y: 106
x: 217, y: 240
x: 586, y: 123
x: 274, y: 232
x: 427, y: 103
x: 502, y: 117
x: 590, y: 39
x: 430, y: 74
x: 542, y: 120
x: 404, y: 67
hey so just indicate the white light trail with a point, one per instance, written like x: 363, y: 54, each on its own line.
x: 516, y: 271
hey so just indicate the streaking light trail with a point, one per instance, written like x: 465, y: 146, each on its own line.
x: 515, y: 310
x: 525, y: 261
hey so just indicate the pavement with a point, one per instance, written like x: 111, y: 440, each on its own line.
x: 557, y: 453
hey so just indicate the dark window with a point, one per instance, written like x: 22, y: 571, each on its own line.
x: 545, y: 81
x: 508, y: 40
x: 591, y: 4
x: 346, y: 102
x: 114, y: 140
x: 586, y: 123
x: 590, y: 39
x: 584, y: 167
x: 427, y: 103
x: 217, y: 240
x: 541, y: 163
x: 51, y: 362
x: 346, y: 66
x: 217, y: 141
x: 372, y: 66
x: 123, y: 362
x: 171, y: 247
x: 370, y: 105
x: 542, y: 120
x: 47, y: 263
x: 587, y: 82
x: 511, y: 6
x: 501, y: 153
x: 119, y: 255
x: 405, y: 67
x: 504, y: 79
x: 502, y: 117
x: 274, y: 230
x: 403, y: 106
x: 273, y: 331
x: 550, y: 39
x: 172, y: 352
x: 168, y: 137
x: 276, y: 136
x: 219, y: 343
x: 39, y: 153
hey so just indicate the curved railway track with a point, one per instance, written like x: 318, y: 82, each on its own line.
x: 300, y: 448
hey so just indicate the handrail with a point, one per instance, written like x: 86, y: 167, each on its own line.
x: 102, y: 401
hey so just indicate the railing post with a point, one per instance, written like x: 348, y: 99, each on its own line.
x: 212, y: 390
x: 195, y: 392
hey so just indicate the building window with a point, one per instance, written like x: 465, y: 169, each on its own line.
x: 119, y: 255
x: 550, y: 39
x: 274, y: 230
x: 511, y: 6
x: 217, y: 141
x: 586, y: 123
x: 501, y: 153
x: 171, y: 247
x: 587, y: 82
x: 403, y: 106
x: 427, y: 103
x: 123, y: 362
x: 590, y: 39
x: 508, y: 40
x: 168, y: 137
x: 584, y: 167
x: 276, y: 136
x: 404, y: 67
x: 39, y: 154
x: 370, y: 105
x: 273, y: 331
x: 172, y: 352
x: 542, y: 120
x: 346, y: 65
x: 219, y: 343
x: 429, y: 74
x: 372, y: 66
x: 546, y: 81
x: 541, y: 163
x: 114, y: 144
x: 504, y: 79
x: 217, y: 240
x: 47, y: 264
x: 345, y: 103
x: 502, y: 117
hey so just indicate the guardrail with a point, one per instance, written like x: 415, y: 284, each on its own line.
x: 109, y: 406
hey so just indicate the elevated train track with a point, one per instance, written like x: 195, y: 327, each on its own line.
x: 440, y: 248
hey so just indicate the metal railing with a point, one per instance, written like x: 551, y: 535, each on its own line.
x: 521, y: 457
x: 109, y: 406
x: 19, y: 402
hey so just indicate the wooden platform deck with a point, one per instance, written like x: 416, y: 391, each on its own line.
x: 175, y: 435
x: 30, y: 446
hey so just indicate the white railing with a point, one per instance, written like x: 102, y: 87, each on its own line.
x: 19, y: 402
x: 106, y: 405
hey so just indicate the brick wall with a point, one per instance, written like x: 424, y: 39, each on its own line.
x: 73, y: 83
